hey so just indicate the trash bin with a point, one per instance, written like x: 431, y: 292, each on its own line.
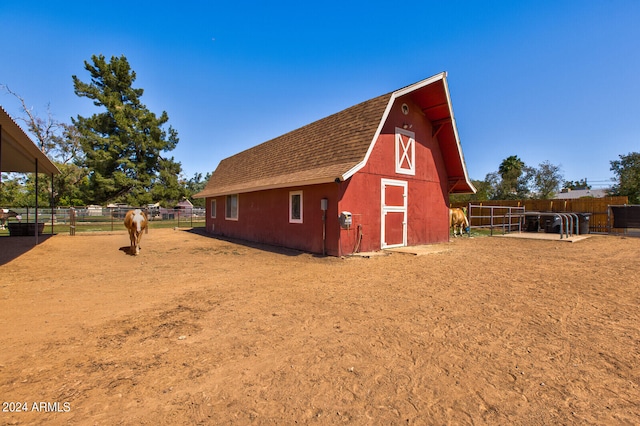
x: 532, y: 223
x: 583, y: 219
x: 552, y: 224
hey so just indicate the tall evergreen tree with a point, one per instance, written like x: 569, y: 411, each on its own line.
x: 123, y: 145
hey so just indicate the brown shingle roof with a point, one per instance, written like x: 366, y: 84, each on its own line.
x: 316, y: 153
x: 337, y: 146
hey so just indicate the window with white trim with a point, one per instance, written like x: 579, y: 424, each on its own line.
x: 405, y: 152
x: 295, y: 207
x: 214, y: 205
x: 231, y: 207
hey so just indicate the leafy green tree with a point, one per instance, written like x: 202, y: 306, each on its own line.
x: 12, y: 191
x: 69, y: 158
x: 547, y: 180
x: 123, y: 145
x: 483, y: 193
x: 195, y: 185
x: 578, y: 184
x: 18, y: 190
x: 627, y: 171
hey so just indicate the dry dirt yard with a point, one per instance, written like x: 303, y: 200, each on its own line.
x: 198, y: 330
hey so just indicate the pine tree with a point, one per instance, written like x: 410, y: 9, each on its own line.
x: 123, y: 145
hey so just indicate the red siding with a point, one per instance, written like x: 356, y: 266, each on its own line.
x: 264, y: 216
x: 427, y: 210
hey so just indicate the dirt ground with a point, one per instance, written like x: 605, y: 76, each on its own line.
x: 198, y: 330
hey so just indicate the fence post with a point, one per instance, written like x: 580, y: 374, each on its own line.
x: 491, y: 220
x: 72, y: 220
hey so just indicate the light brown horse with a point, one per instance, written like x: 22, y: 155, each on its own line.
x: 458, y: 220
x: 136, y: 222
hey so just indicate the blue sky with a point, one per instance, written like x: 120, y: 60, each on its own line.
x: 554, y: 81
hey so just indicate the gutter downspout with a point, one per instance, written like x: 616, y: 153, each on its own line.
x: 324, y: 232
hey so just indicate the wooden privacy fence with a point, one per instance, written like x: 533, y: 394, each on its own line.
x: 626, y: 218
x: 598, y: 208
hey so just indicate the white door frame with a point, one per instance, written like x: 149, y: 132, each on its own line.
x: 384, y: 209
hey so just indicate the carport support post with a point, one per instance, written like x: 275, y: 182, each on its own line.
x: 36, y: 226
x: 52, y: 204
x: 0, y: 155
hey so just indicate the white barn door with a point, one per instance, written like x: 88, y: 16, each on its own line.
x: 393, y: 200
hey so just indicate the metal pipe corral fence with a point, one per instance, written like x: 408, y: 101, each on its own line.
x: 512, y: 218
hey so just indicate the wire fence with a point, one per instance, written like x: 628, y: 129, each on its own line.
x: 96, y: 218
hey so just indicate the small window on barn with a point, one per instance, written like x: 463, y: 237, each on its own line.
x: 214, y: 206
x: 405, y: 152
x: 231, y: 207
x: 295, y: 207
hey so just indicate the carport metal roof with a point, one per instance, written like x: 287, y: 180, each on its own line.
x: 18, y: 153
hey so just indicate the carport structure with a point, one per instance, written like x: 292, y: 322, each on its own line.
x: 18, y: 154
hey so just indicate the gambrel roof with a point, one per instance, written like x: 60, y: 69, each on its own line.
x: 336, y: 147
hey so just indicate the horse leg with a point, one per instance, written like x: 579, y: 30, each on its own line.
x: 138, y: 238
x: 132, y: 241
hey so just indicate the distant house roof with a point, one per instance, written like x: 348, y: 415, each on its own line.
x: 579, y: 193
x: 184, y: 204
x: 336, y: 147
x: 18, y: 153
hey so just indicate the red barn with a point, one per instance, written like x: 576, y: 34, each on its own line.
x: 373, y: 176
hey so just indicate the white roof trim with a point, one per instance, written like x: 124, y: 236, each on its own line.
x: 457, y: 137
x: 398, y: 93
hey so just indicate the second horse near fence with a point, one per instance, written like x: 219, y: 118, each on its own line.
x: 136, y: 222
x: 5, y: 214
x: 458, y: 220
